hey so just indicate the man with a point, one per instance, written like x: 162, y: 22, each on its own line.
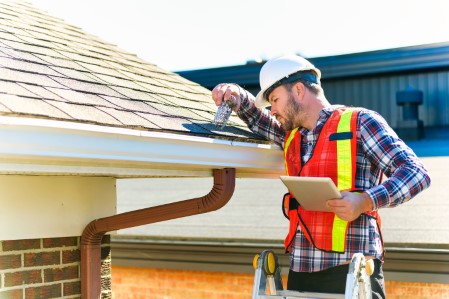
x: 353, y: 146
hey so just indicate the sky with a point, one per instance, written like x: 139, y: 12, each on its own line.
x: 182, y: 35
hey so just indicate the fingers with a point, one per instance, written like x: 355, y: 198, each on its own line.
x: 343, y: 213
x: 217, y: 94
x: 224, y: 91
x: 337, y: 203
x: 343, y: 208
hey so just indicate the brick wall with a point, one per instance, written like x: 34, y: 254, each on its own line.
x: 136, y: 283
x: 130, y: 282
x: 46, y: 268
x: 400, y: 290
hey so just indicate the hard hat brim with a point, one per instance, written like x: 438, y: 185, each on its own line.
x: 260, y: 101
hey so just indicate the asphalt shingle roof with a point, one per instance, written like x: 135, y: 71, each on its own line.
x: 50, y: 69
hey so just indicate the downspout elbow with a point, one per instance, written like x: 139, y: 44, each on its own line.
x: 221, y: 193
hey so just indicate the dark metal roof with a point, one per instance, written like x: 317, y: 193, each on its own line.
x: 249, y: 74
x: 405, y: 59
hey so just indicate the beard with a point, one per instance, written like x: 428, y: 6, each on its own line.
x: 293, y: 114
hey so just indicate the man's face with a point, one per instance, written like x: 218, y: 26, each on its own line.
x: 285, y: 108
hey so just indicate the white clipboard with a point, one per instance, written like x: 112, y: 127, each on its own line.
x: 311, y: 192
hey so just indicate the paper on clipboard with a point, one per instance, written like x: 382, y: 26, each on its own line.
x: 311, y: 192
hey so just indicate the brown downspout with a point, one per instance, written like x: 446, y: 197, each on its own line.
x: 222, y: 190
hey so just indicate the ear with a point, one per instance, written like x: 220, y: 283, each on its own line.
x: 299, y: 90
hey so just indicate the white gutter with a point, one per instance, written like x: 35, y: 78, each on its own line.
x: 50, y: 147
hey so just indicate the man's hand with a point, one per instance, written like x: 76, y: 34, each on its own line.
x: 351, y: 205
x: 222, y: 92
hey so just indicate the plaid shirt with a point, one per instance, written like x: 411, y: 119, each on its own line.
x: 379, y: 151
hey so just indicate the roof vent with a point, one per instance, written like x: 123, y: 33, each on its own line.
x: 410, y: 127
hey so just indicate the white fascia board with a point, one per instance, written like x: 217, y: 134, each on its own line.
x: 49, y: 147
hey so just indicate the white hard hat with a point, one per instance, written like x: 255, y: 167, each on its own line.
x: 279, y: 68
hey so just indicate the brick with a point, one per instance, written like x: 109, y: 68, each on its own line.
x: 42, y: 259
x: 72, y: 288
x: 106, y: 261
x: 12, y: 294
x: 106, y: 295
x: 22, y: 277
x: 106, y: 283
x: 16, y: 245
x: 48, y: 291
x: 106, y: 267
x: 11, y: 261
x: 71, y: 256
x: 57, y: 274
x: 60, y: 242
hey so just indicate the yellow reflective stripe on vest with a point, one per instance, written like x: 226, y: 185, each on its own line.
x: 339, y: 234
x: 287, y: 144
x: 344, y: 157
x: 344, y: 171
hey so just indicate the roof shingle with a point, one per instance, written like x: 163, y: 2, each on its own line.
x: 53, y: 70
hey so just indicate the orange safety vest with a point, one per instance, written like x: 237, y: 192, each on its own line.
x: 334, y: 156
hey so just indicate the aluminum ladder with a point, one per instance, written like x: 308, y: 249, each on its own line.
x: 268, y: 280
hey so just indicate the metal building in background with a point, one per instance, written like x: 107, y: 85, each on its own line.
x: 369, y: 79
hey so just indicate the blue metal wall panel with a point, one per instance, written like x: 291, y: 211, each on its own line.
x: 379, y: 94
